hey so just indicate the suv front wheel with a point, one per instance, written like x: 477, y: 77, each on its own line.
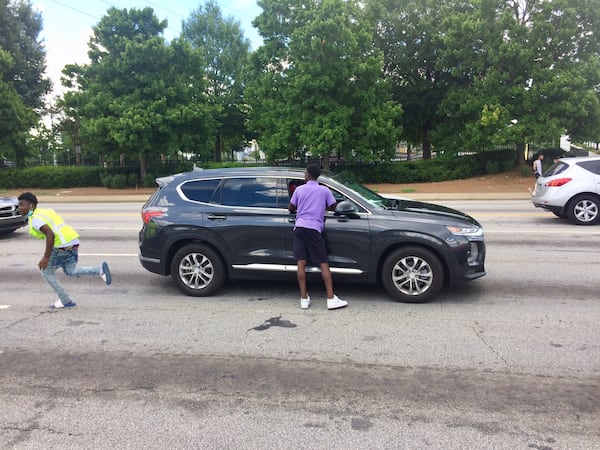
x: 412, y: 275
x: 197, y: 270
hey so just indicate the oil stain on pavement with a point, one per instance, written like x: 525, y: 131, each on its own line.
x: 274, y: 322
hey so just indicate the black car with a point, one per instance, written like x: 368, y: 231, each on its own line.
x: 207, y: 226
x: 10, y: 219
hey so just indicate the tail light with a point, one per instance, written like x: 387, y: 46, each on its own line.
x: 148, y: 214
x: 558, y: 182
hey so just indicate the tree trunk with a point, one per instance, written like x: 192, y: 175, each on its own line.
x: 142, y: 166
x: 325, y: 163
x: 426, y: 145
x: 218, y: 148
x: 20, y: 153
x: 520, y: 153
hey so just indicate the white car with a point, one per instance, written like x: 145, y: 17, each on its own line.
x: 571, y: 189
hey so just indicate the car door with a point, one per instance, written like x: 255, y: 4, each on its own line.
x: 348, y: 238
x: 248, y: 220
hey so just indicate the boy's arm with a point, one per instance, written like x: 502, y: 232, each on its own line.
x: 49, y: 246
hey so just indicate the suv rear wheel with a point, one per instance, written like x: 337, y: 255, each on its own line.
x: 197, y: 270
x: 584, y: 210
x: 412, y: 275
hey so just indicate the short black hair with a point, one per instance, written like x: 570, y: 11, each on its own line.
x: 28, y: 196
x: 314, y: 171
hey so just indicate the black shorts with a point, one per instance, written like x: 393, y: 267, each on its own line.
x: 310, y: 245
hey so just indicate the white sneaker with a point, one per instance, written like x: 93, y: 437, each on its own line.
x: 335, y: 303
x: 59, y: 304
x: 305, y: 302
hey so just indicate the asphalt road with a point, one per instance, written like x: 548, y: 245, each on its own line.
x: 511, y: 360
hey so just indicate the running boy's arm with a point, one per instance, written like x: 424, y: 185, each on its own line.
x: 49, y: 246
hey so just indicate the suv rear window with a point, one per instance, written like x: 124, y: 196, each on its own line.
x: 200, y: 190
x: 558, y: 167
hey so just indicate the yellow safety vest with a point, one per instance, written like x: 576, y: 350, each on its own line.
x: 63, y: 233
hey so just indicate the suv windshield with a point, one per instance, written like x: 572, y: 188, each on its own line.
x: 371, y: 196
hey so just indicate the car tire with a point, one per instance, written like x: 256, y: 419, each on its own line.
x: 412, y: 275
x: 197, y: 270
x: 584, y: 210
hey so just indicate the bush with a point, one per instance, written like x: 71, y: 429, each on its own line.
x: 419, y: 171
x: 50, y: 177
x: 422, y: 171
x: 132, y: 179
x: 149, y: 180
x: 492, y: 167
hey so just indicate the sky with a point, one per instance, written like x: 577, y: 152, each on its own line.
x: 68, y: 25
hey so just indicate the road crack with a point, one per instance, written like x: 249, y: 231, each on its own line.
x: 479, y: 330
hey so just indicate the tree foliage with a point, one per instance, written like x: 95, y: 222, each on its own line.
x: 471, y: 75
x: 343, y: 78
x: 225, y: 52
x: 318, y: 84
x: 22, y: 81
x: 138, y: 97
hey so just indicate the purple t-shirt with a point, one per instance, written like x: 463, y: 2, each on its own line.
x: 311, y: 200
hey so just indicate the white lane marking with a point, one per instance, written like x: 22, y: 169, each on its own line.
x: 110, y: 228
x: 127, y: 255
x: 564, y: 232
x: 5, y: 306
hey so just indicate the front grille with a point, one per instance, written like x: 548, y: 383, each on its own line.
x: 8, y: 211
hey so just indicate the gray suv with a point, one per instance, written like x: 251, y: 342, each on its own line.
x: 205, y: 227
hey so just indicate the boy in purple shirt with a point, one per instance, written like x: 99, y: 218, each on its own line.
x: 310, y: 201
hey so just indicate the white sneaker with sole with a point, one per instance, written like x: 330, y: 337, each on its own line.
x: 335, y: 303
x: 305, y: 302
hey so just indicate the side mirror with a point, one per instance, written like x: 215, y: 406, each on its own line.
x: 347, y: 209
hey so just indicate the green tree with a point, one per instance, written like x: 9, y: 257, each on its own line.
x: 15, y: 117
x: 319, y: 84
x: 138, y: 97
x: 533, y: 74
x: 225, y: 51
x: 409, y: 35
x: 22, y: 81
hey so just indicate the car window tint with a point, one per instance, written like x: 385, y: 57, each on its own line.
x: 592, y: 166
x: 200, y: 190
x: 556, y: 168
x: 292, y: 184
x: 339, y: 197
x: 256, y: 192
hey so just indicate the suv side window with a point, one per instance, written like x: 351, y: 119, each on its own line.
x: 260, y: 192
x: 200, y: 190
x: 293, y: 183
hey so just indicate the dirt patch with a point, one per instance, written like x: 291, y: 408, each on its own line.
x: 497, y: 183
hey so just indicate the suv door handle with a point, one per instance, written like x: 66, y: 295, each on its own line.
x: 215, y: 217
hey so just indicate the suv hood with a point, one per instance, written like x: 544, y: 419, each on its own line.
x: 418, y: 207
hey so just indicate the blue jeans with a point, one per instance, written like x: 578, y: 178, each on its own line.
x: 67, y: 260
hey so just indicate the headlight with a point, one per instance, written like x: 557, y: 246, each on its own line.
x: 473, y: 231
